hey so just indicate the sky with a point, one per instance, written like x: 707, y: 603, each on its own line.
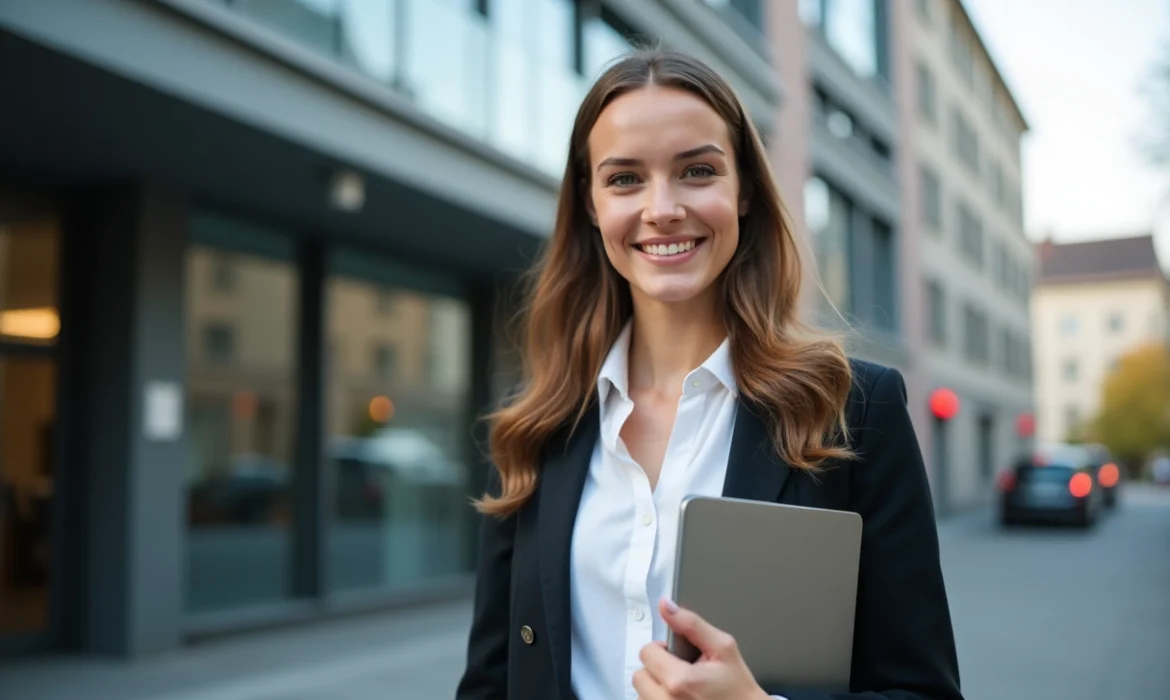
x: 1076, y: 68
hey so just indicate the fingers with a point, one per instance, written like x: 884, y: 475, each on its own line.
x: 710, y: 640
x: 648, y: 688
x: 668, y: 670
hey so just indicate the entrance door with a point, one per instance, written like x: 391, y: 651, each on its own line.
x: 29, y: 325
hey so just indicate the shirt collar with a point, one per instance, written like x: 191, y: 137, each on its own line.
x: 615, y: 370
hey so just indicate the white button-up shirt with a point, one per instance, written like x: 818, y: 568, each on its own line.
x: 624, y: 539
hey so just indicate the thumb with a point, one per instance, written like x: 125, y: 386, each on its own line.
x: 710, y: 640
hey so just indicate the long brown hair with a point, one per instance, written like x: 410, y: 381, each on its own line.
x: 577, y: 304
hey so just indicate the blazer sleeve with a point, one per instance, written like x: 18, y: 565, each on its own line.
x: 903, y: 644
x: 486, y: 674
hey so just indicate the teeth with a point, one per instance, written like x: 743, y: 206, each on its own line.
x: 671, y: 249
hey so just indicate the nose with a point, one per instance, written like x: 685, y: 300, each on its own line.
x: 662, y: 206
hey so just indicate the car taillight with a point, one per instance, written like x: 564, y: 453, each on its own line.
x: 1080, y: 485
x: 1007, y: 481
x: 1109, y: 475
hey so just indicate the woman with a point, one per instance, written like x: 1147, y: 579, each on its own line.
x: 662, y: 351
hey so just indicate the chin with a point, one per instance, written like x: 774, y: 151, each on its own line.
x: 676, y: 293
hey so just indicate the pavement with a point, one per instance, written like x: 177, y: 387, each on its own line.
x: 1039, y: 614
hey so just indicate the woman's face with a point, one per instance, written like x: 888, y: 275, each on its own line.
x: 664, y: 192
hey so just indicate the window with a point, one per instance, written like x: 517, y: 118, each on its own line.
x: 1072, y: 419
x: 1116, y: 322
x: 602, y: 43
x: 397, y: 427
x: 1068, y: 325
x: 1071, y: 369
x: 240, y: 417
x: 976, y: 335
x: 970, y: 235
x: 932, y: 215
x: 998, y: 185
x: 829, y: 218
x: 222, y: 277
x: 927, y: 99
x: 385, y: 361
x: 219, y: 342
x: 937, y: 310
x: 853, y: 28
x: 964, y: 141
x: 885, y: 276
x: 962, y: 55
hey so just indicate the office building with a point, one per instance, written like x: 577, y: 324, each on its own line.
x: 963, y: 180
x: 1094, y: 301
x: 253, y: 262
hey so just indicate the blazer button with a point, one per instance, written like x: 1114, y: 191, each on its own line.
x: 527, y: 635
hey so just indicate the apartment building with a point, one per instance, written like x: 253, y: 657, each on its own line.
x: 251, y: 258
x: 962, y: 184
x: 1094, y: 301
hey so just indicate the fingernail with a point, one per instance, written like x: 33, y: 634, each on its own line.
x: 671, y: 606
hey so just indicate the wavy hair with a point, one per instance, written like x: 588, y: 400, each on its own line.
x: 577, y: 304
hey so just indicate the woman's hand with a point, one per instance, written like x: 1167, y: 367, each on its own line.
x: 719, y: 674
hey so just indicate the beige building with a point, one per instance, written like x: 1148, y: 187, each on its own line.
x: 1094, y: 302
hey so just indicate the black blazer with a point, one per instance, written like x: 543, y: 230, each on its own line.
x: 903, y: 647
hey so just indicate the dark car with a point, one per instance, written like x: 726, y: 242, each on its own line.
x: 1056, y: 483
x: 1108, y: 474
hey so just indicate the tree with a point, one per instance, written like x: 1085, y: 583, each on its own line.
x: 1155, y: 139
x: 1135, y: 405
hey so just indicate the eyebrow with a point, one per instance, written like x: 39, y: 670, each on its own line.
x: 627, y: 162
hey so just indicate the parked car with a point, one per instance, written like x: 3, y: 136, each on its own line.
x: 1056, y: 483
x: 1108, y: 474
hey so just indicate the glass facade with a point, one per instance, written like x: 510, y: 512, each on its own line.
x: 241, y: 332
x: 398, y: 383
x: 828, y: 215
x: 855, y: 29
x: 505, y: 72
x: 395, y: 406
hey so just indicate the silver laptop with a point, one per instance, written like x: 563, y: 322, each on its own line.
x: 781, y: 579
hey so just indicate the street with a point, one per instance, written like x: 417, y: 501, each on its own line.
x: 1039, y: 613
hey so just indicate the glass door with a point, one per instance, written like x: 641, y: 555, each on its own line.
x: 29, y: 327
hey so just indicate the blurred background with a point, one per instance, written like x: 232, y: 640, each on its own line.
x: 257, y: 258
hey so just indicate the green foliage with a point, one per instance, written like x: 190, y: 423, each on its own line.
x: 1135, y: 405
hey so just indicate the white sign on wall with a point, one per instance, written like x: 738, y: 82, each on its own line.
x: 163, y: 411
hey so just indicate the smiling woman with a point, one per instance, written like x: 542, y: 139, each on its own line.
x: 663, y: 358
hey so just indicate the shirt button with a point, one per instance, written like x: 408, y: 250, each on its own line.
x: 647, y: 519
x: 695, y: 383
x: 638, y: 614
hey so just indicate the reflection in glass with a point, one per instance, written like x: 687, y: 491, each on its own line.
x: 241, y: 360
x: 447, y: 66
x: 827, y: 215
x: 397, y: 434
x: 603, y: 44
x: 27, y: 416
x: 28, y: 282
x: 850, y: 27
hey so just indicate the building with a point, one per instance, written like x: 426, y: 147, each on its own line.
x: 962, y: 183
x: 1094, y: 302
x: 908, y: 155
x: 254, y: 257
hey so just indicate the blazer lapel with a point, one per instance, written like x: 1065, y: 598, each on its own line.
x: 562, y: 479
x: 754, y: 471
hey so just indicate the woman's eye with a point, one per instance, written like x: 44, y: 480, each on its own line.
x: 623, y: 180
x: 699, y: 171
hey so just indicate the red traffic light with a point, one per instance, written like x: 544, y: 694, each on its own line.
x: 944, y: 404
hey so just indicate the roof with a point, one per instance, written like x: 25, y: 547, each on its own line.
x: 1011, y: 98
x: 1102, y: 260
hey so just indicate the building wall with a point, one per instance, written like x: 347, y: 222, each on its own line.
x: 973, y: 247
x: 1080, y: 331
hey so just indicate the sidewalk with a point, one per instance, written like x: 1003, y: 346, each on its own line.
x: 402, y: 655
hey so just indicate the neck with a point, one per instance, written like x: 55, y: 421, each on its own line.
x: 671, y: 340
